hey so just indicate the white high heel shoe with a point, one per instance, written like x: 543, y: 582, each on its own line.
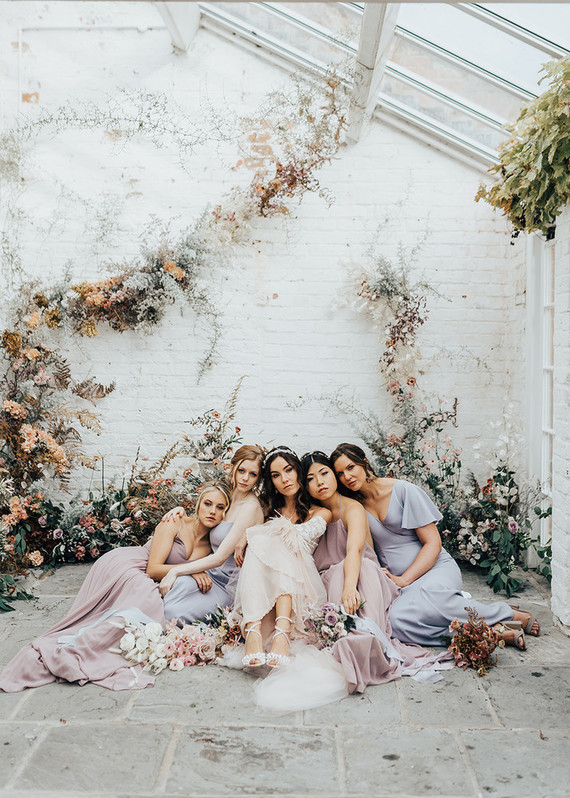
x: 257, y: 659
x: 272, y: 659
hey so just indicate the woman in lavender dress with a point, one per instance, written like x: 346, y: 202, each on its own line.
x: 193, y: 590
x: 123, y: 583
x: 402, y: 522
x: 353, y: 577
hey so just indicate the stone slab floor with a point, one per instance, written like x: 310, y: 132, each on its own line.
x: 198, y: 733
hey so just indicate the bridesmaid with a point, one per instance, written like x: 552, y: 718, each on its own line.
x: 118, y: 585
x: 402, y: 522
x: 352, y: 576
x: 192, y: 591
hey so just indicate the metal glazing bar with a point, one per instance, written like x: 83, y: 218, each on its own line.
x: 252, y: 34
x: 514, y: 29
x: 453, y: 101
x: 502, y: 83
x: 307, y: 26
x: 485, y: 154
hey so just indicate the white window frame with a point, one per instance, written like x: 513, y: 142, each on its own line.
x: 541, y: 262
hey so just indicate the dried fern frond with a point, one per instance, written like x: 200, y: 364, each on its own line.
x: 91, y: 390
x: 62, y: 375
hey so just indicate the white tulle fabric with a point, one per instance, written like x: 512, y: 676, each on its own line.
x: 279, y: 562
x: 311, y: 679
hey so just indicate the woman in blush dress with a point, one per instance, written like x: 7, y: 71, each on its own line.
x: 278, y: 583
x: 122, y: 584
x: 353, y: 577
x: 193, y: 590
x: 402, y: 522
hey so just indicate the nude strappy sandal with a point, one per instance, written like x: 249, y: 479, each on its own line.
x: 258, y: 658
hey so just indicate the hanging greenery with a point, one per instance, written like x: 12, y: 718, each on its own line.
x: 533, y: 171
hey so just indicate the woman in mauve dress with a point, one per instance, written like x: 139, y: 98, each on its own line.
x: 353, y: 577
x: 122, y: 584
x: 193, y: 590
x: 402, y: 523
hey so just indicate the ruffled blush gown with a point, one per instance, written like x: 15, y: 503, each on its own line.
x: 278, y: 562
x: 423, y: 611
x: 185, y: 601
x: 77, y: 648
x: 371, y: 654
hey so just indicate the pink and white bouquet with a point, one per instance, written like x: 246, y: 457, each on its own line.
x: 329, y: 624
x: 175, y: 647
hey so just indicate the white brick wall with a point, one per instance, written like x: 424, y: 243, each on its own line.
x: 296, y: 345
x: 561, y: 454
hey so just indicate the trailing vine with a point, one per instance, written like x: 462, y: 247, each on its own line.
x: 533, y: 171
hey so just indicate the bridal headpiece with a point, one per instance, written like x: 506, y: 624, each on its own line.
x: 278, y: 450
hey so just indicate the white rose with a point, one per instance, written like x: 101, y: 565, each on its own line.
x: 153, y: 631
x: 159, y: 665
x: 326, y: 630
x: 234, y: 618
x: 127, y: 642
x: 339, y: 628
x: 159, y: 650
x: 142, y: 643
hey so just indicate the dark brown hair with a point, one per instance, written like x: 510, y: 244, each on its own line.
x: 358, y: 456
x: 272, y: 500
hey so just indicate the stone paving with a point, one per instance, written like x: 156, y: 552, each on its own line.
x: 198, y: 733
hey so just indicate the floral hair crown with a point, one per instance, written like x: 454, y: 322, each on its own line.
x: 274, y: 452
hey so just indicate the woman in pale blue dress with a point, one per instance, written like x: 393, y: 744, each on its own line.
x: 193, y: 590
x: 402, y: 523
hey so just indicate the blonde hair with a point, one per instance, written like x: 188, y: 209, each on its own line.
x: 245, y: 452
x: 208, y: 487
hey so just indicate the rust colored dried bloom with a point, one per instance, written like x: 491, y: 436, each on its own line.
x: 12, y: 342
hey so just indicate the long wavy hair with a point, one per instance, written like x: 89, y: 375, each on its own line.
x: 358, y: 456
x: 271, y: 499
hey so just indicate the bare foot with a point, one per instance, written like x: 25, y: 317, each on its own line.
x: 511, y: 637
x: 524, y: 618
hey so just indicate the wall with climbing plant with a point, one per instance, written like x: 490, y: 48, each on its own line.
x: 195, y: 219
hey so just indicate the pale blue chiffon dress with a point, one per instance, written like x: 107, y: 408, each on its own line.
x: 424, y: 609
x: 186, y: 602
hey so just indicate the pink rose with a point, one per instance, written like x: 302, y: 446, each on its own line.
x: 176, y: 664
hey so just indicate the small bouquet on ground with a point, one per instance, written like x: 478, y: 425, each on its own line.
x: 175, y: 647
x: 227, y: 623
x: 329, y: 624
x: 472, y: 643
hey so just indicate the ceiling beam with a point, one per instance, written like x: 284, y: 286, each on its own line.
x: 182, y: 21
x: 378, y: 23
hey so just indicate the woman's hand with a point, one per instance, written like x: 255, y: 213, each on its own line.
x: 203, y: 580
x: 398, y: 580
x: 167, y: 582
x: 351, y: 600
x: 172, y: 515
x: 239, y: 552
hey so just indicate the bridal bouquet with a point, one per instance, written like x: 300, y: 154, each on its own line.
x: 329, y: 624
x: 472, y: 643
x: 156, y: 649
x: 227, y: 623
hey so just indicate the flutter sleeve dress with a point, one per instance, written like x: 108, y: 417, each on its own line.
x: 278, y: 562
x: 186, y: 602
x: 423, y: 611
x: 77, y: 648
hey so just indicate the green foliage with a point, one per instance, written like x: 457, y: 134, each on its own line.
x: 534, y: 165
x: 544, y: 550
x: 9, y: 592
